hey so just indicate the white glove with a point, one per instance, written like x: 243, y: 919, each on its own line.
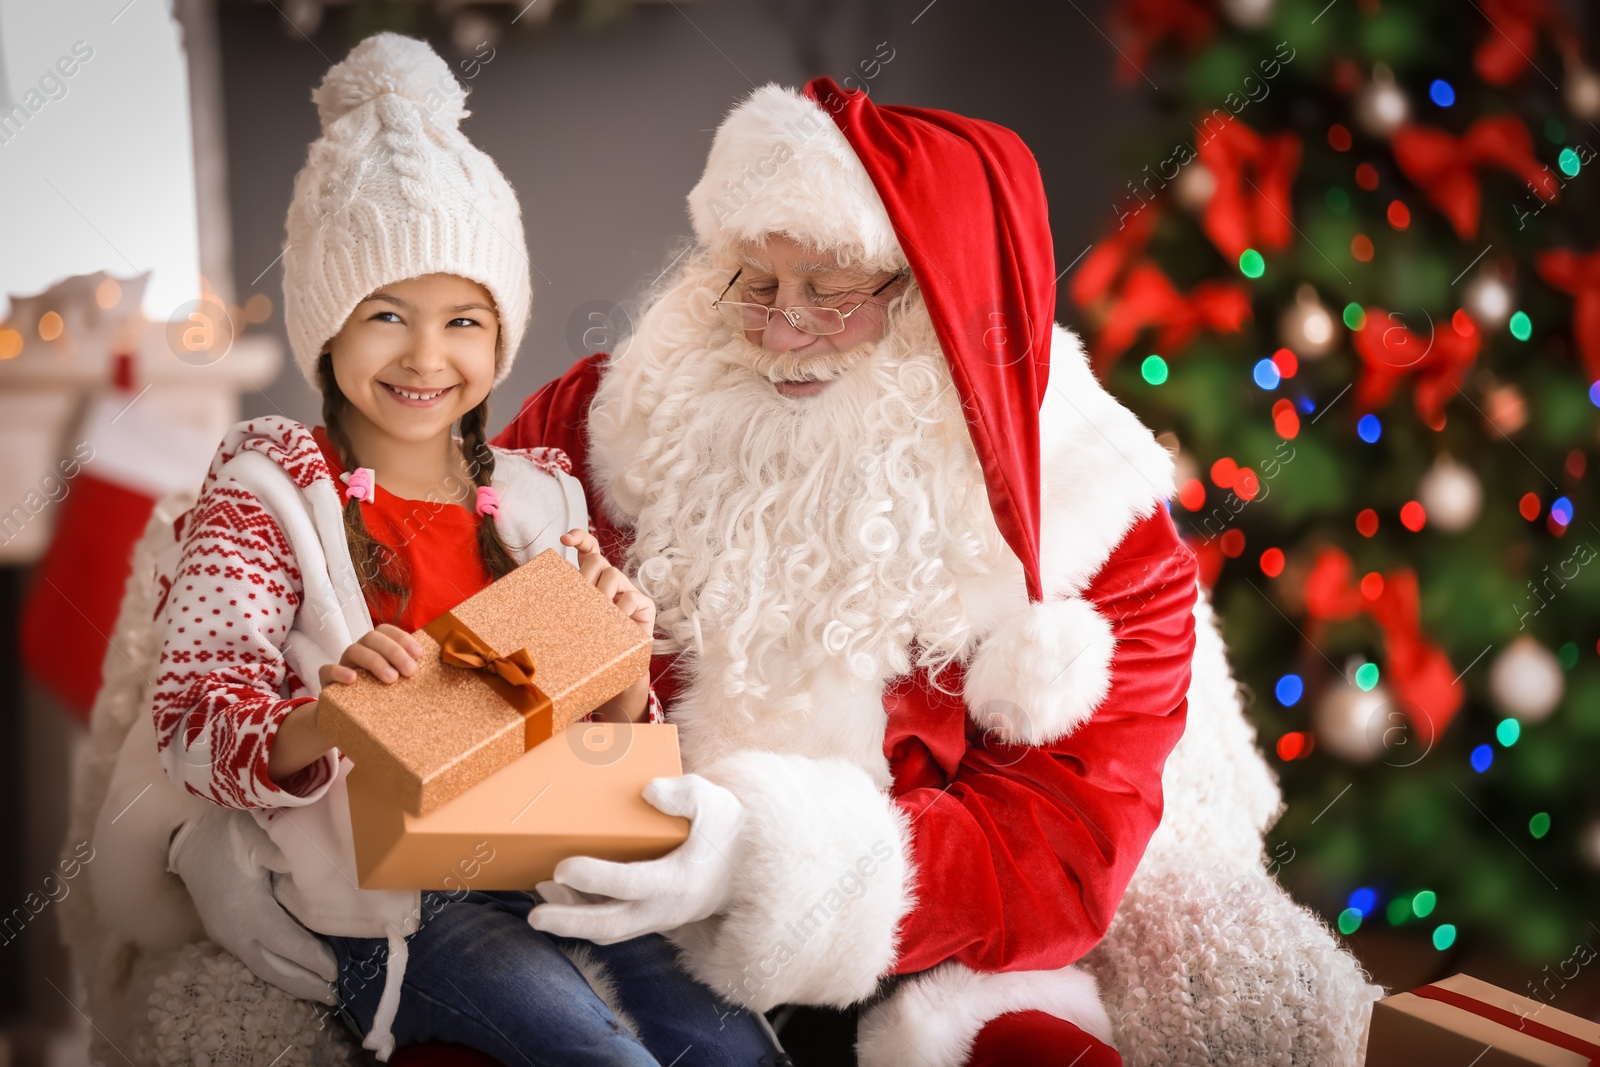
x: 604, y: 902
x: 226, y: 861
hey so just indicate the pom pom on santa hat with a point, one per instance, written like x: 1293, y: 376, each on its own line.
x: 776, y: 158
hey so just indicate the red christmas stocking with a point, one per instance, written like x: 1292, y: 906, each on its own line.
x: 124, y: 460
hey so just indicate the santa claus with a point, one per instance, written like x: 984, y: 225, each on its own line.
x: 928, y: 632
x: 927, y: 623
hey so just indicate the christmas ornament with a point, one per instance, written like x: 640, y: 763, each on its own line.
x: 1505, y: 408
x: 1526, y: 681
x: 1451, y: 495
x: 1352, y: 723
x: 1591, y: 843
x: 1488, y: 299
x: 1194, y: 187
x: 1381, y: 108
x: 1184, y: 467
x: 304, y: 15
x: 1582, y: 91
x: 1306, y: 327
x: 1427, y: 688
x: 472, y: 32
x: 1250, y: 14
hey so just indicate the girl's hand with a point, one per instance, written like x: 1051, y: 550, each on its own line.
x: 386, y: 653
x: 632, y: 704
x: 594, y: 566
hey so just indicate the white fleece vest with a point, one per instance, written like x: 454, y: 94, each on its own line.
x: 320, y: 888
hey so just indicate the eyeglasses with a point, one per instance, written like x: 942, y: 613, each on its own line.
x: 815, y: 320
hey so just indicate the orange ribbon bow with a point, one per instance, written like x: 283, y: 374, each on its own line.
x: 512, y: 676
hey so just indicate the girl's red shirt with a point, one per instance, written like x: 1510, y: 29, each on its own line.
x: 436, y: 545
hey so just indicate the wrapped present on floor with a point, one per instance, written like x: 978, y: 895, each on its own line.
x: 1463, y: 1020
x: 509, y: 668
x: 580, y: 793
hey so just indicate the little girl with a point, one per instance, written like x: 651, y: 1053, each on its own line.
x: 312, y: 554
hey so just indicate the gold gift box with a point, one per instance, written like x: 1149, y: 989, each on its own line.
x: 1476, y: 1023
x: 428, y: 738
x: 580, y: 793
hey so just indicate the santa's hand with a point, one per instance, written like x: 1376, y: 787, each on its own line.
x: 604, y: 902
x: 226, y: 861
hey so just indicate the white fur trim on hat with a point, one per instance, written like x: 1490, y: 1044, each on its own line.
x: 393, y: 190
x: 779, y: 164
x: 1041, y: 673
x: 933, y: 1019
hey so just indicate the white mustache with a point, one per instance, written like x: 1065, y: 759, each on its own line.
x: 787, y: 367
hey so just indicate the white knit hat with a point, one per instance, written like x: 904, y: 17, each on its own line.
x: 393, y: 190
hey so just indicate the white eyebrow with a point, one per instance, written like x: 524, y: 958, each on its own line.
x: 815, y: 271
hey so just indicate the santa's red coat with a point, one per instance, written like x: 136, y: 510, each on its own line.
x: 1020, y: 851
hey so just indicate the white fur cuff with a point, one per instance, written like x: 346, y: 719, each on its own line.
x: 1040, y: 674
x: 822, y: 882
x: 933, y: 1019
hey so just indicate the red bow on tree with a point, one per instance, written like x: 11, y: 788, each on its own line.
x: 1513, y: 36
x: 1253, y: 178
x: 1140, y: 25
x: 1150, y: 299
x: 1424, y: 681
x: 1579, y: 276
x: 1389, y: 351
x: 1107, y: 261
x: 1443, y: 166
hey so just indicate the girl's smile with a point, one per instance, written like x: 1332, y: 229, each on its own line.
x: 416, y: 398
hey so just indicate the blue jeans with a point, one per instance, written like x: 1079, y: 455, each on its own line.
x: 480, y: 976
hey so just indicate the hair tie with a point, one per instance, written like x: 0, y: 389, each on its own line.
x: 488, y: 500
x: 360, y: 484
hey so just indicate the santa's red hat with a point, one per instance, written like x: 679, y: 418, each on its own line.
x: 959, y: 201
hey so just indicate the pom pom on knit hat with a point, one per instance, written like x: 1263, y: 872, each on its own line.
x: 390, y: 63
x: 393, y: 190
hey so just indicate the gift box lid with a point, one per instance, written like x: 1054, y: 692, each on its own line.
x: 1462, y: 1015
x: 430, y: 737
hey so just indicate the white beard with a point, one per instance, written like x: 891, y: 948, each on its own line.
x: 796, y: 548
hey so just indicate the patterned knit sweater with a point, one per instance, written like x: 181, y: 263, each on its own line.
x: 224, y: 686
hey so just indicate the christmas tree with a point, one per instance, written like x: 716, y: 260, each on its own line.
x: 1355, y: 279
